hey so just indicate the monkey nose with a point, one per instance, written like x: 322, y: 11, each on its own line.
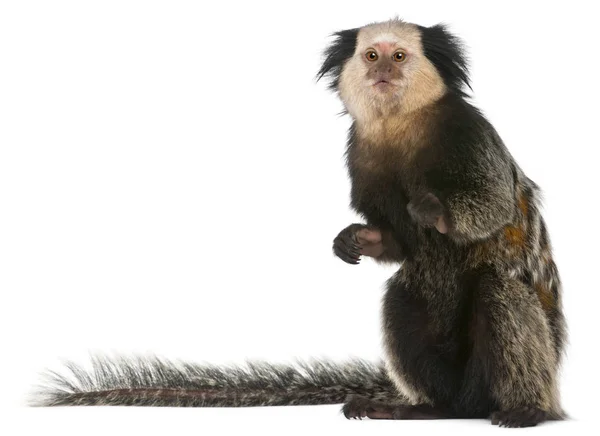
x: 384, y: 70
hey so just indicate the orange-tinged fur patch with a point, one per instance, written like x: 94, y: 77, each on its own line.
x: 523, y: 204
x: 545, y: 296
x: 514, y: 235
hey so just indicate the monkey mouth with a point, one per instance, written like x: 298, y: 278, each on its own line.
x: 383, y: 85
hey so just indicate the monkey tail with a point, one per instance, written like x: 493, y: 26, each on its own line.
x: 152, y: 381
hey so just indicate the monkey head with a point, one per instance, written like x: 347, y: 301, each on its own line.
x: 392, y: 67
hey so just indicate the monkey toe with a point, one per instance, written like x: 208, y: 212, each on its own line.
x: 355, y: 408
x: 524, y: 417
x: 359, y: 408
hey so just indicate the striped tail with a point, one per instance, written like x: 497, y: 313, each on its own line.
x: 137, y: 381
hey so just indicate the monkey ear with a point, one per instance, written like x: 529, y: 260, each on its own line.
x: 446, y: 53
x: 336, y: 54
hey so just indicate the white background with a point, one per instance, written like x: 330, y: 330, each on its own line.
x: 171, y: 179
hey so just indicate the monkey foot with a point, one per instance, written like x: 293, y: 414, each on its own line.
x: 360, y: 407
x: 524, y: 417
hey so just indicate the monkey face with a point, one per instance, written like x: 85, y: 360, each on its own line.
x: 388, y: 72
x: 384, y: 66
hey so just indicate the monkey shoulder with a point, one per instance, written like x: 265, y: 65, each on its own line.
x: 467, y: 149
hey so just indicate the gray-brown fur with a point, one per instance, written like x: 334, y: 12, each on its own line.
x: 151, y: 381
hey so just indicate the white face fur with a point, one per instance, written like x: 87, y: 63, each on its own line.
x: 389, y: 74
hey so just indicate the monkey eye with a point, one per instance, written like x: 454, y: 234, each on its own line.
x: 371, y: 55
x: 399, y: 56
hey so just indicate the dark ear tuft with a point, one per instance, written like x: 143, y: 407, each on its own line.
x: 446, y: 53
x: 341, y: 49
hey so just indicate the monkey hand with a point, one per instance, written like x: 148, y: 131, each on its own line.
x: 428, y: 211
x: 356, y: 240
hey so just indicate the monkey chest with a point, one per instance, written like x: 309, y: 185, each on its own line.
x: 381, y: 196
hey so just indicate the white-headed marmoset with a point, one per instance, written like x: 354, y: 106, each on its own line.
x: 472, y: 319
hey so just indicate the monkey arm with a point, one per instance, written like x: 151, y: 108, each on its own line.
x: 478, y: 195
x: 477, y: 214
x: 471, y: 195
x: 392, y: 252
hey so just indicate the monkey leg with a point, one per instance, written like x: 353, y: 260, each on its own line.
x: 359, y: 407
x: 356, y: 240
x: 512, y: 345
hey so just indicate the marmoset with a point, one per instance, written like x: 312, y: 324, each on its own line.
x: 472, y: 320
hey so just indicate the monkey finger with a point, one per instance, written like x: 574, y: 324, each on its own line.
x: 346, y: 258
x: 345, y: 246
x: 350, y: 238
x: 340, y: 251
x: 345, y: 255
x: 348, y: 245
